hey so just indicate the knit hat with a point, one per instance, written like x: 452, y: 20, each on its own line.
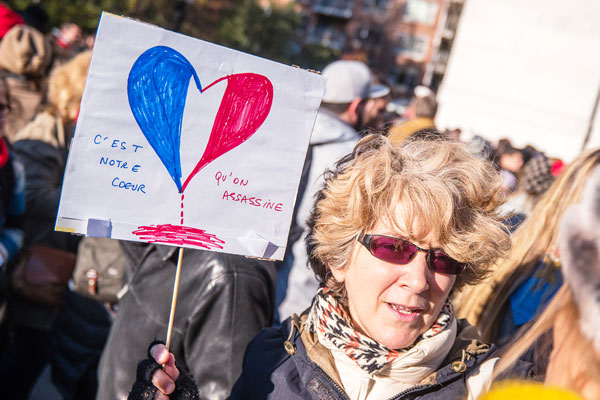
x: 537, y: 176
x: 348, y: 80
x: 8, y: 19
x: 25, y: 51
x: 579, y: 242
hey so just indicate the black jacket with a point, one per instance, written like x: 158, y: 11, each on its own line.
x: 44, y: 168
x: 274, y: 369
x: 224, y: 300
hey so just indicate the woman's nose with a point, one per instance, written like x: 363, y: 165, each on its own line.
x: 415, y: 274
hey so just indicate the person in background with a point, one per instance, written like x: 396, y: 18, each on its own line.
x: 509, y: 160
x: 69, y: 35
x: 572, y: 319
x: 536, y: 178
x: 418, y: 118
x: 68, y: 42
x: 224, y: 300
x: 12, y: 201
x: 43, y: 333
x: 36, y: 16
x: 453, y: 134
x: 521, y: 286
x: 393, y: 231
x: 25, y: 59
x: 350, y: 101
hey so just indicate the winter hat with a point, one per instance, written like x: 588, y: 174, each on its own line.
x: 348, y: 80
x: 537, y: 175
x: 579, y: 243
x: 8, y: 19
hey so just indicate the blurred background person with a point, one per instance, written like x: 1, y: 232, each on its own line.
x: 68, y: 40
x: 25, y: 60
x: 418, y: 118
x: 68, y: 335
x: 509, y: 160
x: 453, y: 134
x: 351, y: 100
x: 571, y: 320
x: 224, y: 300
x: 36, y: 16
x: 12, y: 188
x: 536, y: 178
x: 12, y: 206
x: 521, y: 286
x: 69, y: 35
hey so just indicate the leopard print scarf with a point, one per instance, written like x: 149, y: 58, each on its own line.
x: 331, y: 322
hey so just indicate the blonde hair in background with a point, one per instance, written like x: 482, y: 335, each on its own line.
x: 65, y: 86
x: 436, y: 185
x: 574, y: 356
x: 537, y: 235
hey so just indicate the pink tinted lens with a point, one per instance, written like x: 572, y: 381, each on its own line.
x: 392, y: 250
x: 443, y: 263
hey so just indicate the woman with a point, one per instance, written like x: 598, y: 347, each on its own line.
x: 393, y: 232
x: 522, y: 284
x: 573, y: 315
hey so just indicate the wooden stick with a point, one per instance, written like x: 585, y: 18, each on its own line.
x: 174, y: 300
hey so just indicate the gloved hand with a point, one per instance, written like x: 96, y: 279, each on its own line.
x: 154, y: 382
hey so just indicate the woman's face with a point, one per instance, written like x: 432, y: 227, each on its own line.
x: 391, y: 303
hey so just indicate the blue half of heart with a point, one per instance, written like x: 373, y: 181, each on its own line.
x: 157, y: 88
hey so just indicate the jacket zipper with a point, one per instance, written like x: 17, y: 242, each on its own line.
x: 407, y: 391
x: 334, y: 383
x: 343, y: 394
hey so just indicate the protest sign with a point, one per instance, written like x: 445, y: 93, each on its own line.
x: 187, y: 143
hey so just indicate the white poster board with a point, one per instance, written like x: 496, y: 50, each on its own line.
x: 187, y: 143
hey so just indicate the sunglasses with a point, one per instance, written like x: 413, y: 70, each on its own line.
x: 400, y: 251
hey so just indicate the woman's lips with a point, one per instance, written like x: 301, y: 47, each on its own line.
x: 405, y: 312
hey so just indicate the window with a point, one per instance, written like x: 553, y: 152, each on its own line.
x: 328, y: 34
x: 369, y: 37
x: 421, y: 11
x: 370, y: 5
x: 413, y: 46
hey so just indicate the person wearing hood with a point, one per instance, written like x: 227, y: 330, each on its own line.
x: 350, y: 102
x: 25, y: 59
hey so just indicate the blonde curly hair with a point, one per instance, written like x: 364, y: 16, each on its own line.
x: 65, y: 86
x: 443, y: 188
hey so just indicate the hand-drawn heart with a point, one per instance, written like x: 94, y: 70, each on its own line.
x: 157, y: 88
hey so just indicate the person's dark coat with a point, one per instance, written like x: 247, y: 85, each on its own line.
x: 224, y: 300
x: 44, y: 160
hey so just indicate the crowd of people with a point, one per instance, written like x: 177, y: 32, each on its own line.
x: 418, y: 265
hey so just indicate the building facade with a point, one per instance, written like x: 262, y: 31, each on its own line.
x: 406, y: 41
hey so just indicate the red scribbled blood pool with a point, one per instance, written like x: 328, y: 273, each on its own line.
x: 178, y: 235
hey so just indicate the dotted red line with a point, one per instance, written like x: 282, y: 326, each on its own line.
x: 181, y: 209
